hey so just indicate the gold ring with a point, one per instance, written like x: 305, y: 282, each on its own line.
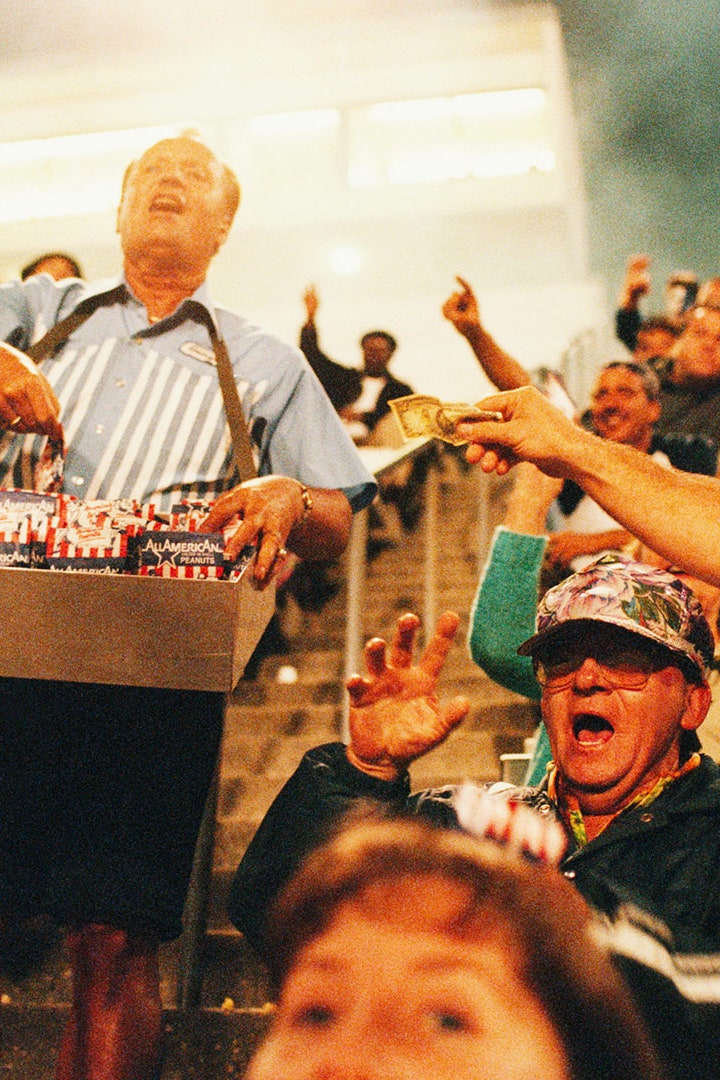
x: 15, y: 422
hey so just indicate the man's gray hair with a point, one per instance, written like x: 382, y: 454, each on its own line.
x: 650, y: 381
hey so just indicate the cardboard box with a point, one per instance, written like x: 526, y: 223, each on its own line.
x: 127, y: 630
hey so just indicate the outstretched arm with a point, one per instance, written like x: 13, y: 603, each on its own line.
x: 654, y: 503
x: 461, y: 309
x: 505, y: 605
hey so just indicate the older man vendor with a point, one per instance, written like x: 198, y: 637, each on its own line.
x: 102, y: 787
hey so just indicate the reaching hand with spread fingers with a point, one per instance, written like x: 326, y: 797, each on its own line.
x: 395, y: 714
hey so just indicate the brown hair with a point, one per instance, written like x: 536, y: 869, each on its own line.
x: 546, y: 920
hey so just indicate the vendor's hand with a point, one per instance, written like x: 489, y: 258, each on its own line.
x: 461, y: 309
x: 395, y: 716
x: 269, y: 508
x: 533, y: 430
x: 27, y: 400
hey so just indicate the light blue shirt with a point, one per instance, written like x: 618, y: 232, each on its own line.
x: 142, y: 408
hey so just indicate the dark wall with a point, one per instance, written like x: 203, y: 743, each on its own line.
x: 645, y: 76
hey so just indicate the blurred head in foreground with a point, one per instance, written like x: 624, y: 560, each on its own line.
x: 404, y: 952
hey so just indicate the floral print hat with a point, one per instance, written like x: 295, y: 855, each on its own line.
x: 631, y: 595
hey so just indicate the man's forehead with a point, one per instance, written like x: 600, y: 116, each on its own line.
x: 181, y: 148
x: 617, y: 376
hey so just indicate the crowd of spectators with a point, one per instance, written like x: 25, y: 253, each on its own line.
x: 590, y: 603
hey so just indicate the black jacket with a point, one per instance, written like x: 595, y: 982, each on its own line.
x: 343, y: 385
x: 665, y: 857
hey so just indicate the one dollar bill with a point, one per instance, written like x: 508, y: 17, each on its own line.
x: 420, y: 415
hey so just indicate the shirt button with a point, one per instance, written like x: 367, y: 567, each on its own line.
x: 570, y: 874
x: 99, y: 429
x: 120, y: 382
x: 646, y: 818
x: 78, y: 481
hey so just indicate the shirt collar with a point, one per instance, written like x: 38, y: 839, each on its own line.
x: 201, y: 296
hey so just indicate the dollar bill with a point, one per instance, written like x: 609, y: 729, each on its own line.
x: 421, y: 415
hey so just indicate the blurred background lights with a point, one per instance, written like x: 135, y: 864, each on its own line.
x: 345, y: 260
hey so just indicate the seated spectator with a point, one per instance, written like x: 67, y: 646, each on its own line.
x: 654, y: 503
x: 58, y: 264
x: 621, y: 654
x: 625, y: 408
x: 400, y: 950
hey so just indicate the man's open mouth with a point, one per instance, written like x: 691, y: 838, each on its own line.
x: 592, y: 730
x: 167, y: 203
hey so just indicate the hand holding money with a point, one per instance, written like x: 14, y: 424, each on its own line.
x: 420, y: 415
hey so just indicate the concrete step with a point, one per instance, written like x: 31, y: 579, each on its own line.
x: 199, y: 1045
x: 232, y: 974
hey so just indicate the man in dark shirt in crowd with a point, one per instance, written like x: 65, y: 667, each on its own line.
x: 360, y: 395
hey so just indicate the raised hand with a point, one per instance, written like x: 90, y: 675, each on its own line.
x: 637, y: 281
x: 461, y: 308
x: 395, y: 715
x: 311, y: 302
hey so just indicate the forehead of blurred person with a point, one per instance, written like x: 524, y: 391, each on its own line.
x: 404, y: 982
